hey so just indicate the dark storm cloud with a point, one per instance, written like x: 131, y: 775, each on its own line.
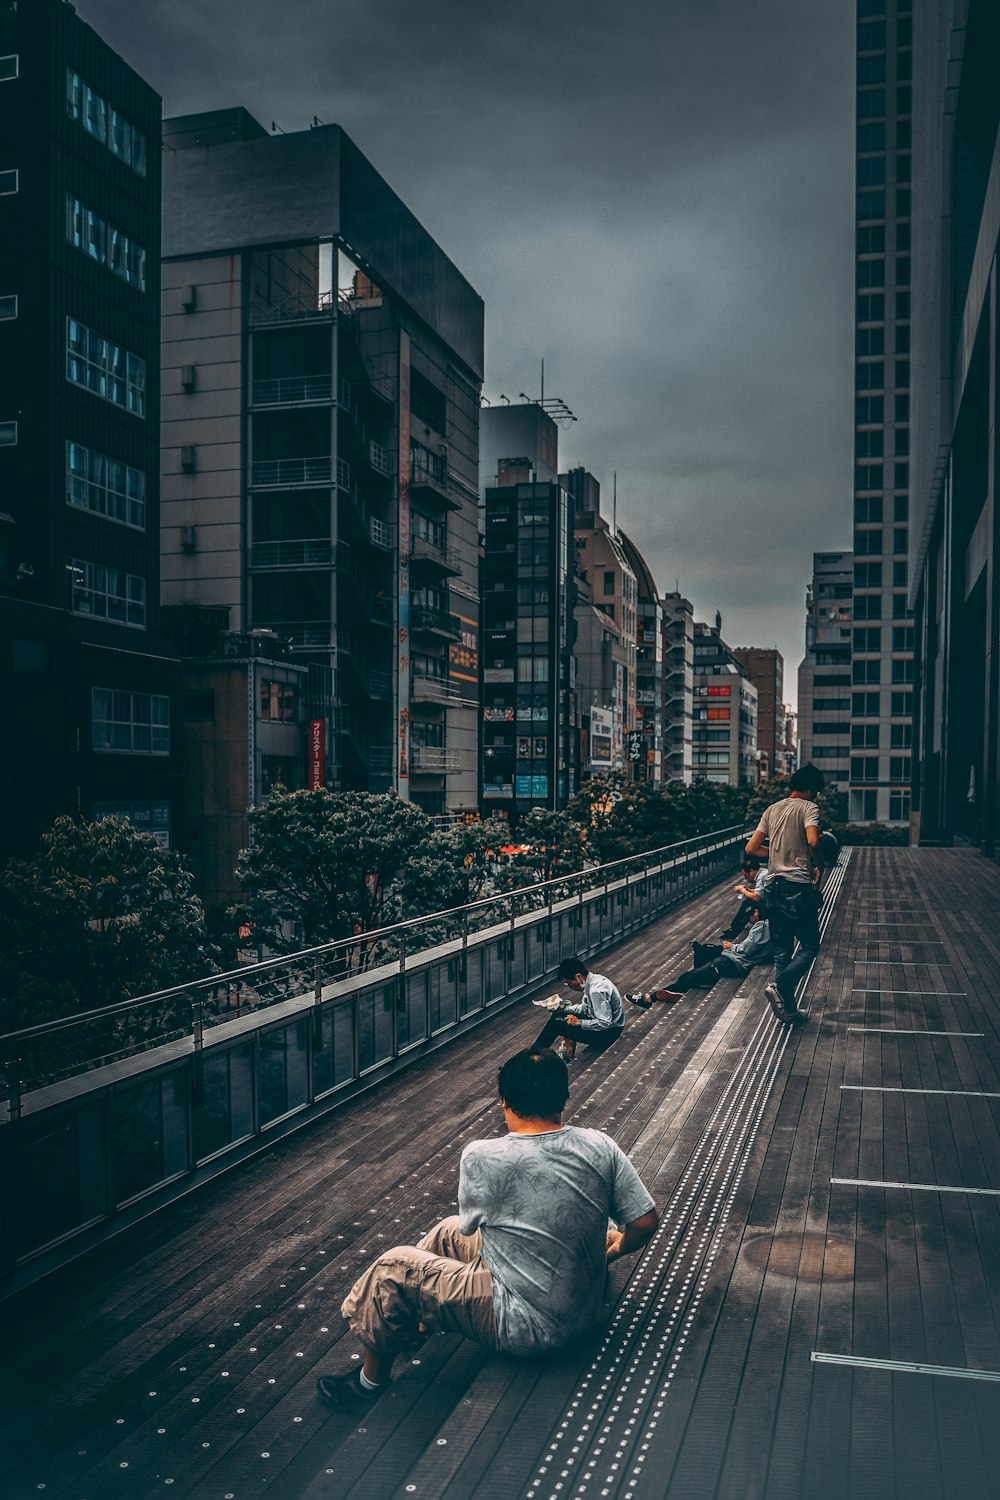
x: 656, y: 198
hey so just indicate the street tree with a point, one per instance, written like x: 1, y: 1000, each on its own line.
x: 102, y: 913
x: 326, y: 865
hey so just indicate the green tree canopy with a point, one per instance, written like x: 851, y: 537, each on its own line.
x: 100, y: 914
x: 330, y: 862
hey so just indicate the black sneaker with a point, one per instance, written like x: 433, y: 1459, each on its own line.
x: 641, y: 1000
x: 346, y: 1393
x: 788, y: 1015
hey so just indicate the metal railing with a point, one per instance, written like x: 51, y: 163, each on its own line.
x: 292, y: 390
x: 273, y: 471
x: 433, y: 758
x: 308, y: 552
x: 158, y: 1093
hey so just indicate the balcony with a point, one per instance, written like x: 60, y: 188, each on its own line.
x: 302, y: 635
x: 433, y: 689
x: 293, y: 390
x: 306, y: 553
x: 270, y: 473
x: 433, y: 758
x: 434, y: 622
x: 433, y: 555
x: 376, y: 683
x: 429, y: 478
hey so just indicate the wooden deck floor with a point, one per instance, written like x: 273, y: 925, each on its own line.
x: 818, y: 1315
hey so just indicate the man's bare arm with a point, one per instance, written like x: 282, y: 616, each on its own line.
x: 756, y: 843
x: 633, y: 1237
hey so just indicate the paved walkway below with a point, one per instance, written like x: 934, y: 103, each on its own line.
x: 818, y: 1315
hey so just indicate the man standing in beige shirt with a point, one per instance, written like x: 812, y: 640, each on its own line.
x: 788, y: 833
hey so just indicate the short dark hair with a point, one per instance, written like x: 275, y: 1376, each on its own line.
x: 534, y: 1084
x: 750, y: 862
x: 807, y: 778
x: 571, y: 967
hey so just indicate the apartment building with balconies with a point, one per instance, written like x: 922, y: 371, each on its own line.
x: 832, y: 714
x: 322, y: 363
x: 725, y: 711
x: 678, y: 687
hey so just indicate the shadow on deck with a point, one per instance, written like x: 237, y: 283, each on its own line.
x: 819, y: 1313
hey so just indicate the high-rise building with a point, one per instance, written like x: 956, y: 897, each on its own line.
x: 826, y: 698
x: 882, y: 647
x: 678, y: 687
x: 766, y: 669
x: 322, y: 362
x: 955, y: 574
x: 725, y: 711
x: 96, y: 726
x: 607, y: 617
x: 529, y: 727
x: 644, y: 742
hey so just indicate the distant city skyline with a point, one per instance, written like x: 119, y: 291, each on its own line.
x: 656, y: 201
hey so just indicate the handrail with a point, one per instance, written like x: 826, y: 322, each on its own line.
x: 596, y: 874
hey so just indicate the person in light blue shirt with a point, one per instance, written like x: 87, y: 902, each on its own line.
x: 597, y: 1021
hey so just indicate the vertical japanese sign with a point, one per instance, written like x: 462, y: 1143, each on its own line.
x: 317, y: 754
x: 403, y: 554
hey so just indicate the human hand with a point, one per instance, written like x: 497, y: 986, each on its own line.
x: 727, y: 944
x: 613, y: 1244
x: 573, y: 1021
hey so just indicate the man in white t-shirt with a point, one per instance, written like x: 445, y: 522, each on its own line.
x: 523, y: 1265
x: 789, y: 834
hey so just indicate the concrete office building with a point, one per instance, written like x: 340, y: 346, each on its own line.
x: 606, y: 655
x: 725, y: 711
x: 644, y: 745
x: 882, y: 647
x: 954, y: 555
x: 766, y: 669
x: 529, y: 727
x: 826, y: 697
x: 678, y: 687
x: 322, y: 363
x: 96, y: 689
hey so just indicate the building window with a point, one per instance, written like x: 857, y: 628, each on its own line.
x: 904, y: 202
x: 427, y: 403
x: 900, y: 736
x: 8, y: 181
x: 871, y: 137
x: 107, y: 593
x: 867, y: 575
x: 904, y: 100
x: 869, y: 444
x: 101, y: 120
x: 871, y: 173
x: 868, y: 543
x: 871, y: 69
x: 866, y: 671
x: 901, y: 703
x: 864, y: 768
x: 902, y: 671
x: 8, y: 434
x: 868, y: 638
x: 278, y: 701
x: 9, y: 67
x: 869, y: 341
x: 105, y: 368
x: 870, y: 204
x: 902, y: 638
x: 609, y: 583
x: 8, y: 308
x: 870, y: 238
x: 870, y: 307
x: 864, y: 736
x: 863, y: 807
x: 868, y: 607
x: 864, y: 705
x: 899, y: 806
x: 902, y: 445
x: 868, y: 477
x: 871, y: 36
x: 869, y: 409
x: 899, y: 768
x: 870, y: 377
x: 101, y: 241
x: 899, y: 575
x: 868, y: 508
x: 127, y: 723
x: 105, y: 486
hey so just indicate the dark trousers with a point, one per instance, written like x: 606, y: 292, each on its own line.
x: 793, y: 916
x: 705, y: 975
x: 557, y: 1026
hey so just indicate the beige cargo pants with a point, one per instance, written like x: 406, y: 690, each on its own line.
x: 443, y: 1283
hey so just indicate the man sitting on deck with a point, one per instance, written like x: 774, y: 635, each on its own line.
x: 597, y: 1021
x: 712, y: 962
x: 522, y: 1268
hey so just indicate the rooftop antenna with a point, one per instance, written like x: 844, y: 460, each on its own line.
x: 276, y: 128
x: 614, y: 505
x: 541, y: 401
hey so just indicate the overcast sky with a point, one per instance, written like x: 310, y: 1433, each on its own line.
x: 652, y: 195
